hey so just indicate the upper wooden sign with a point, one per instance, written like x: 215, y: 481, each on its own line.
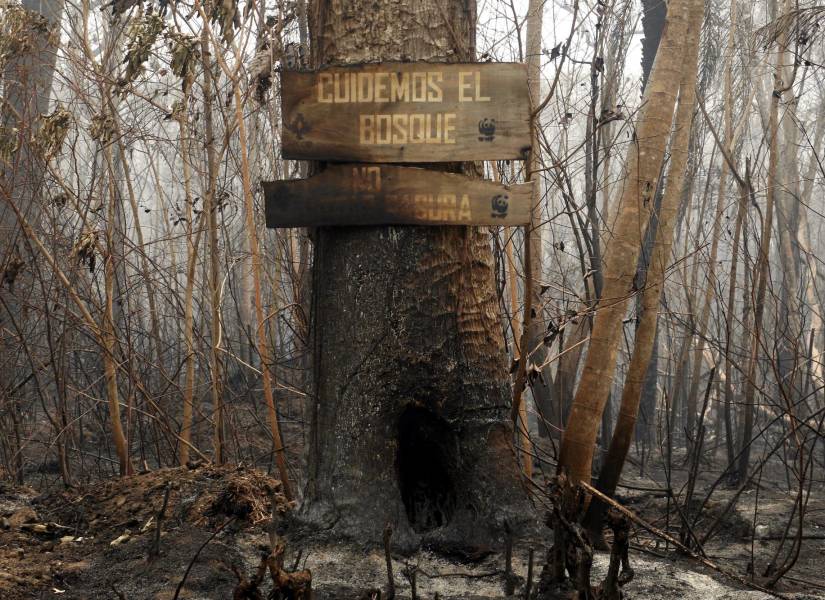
x: 391, y: 195
x: 407, y: 112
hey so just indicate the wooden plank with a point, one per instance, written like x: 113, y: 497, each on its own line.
x: 407, y: 112
x: 390, y: 195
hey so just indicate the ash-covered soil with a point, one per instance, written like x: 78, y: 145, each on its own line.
x: 95, y: 542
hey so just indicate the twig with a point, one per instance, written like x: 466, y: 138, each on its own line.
x: 154, y: 551
x: 659, y: 533
x: 194, y: 558
x: 410, y: 571
x: 646, y: 550
x: 388, y: 556
x: 482, y: 575
x: 806, y: 582
x: 529, y: 587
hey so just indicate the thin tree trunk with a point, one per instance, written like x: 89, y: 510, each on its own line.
x: 781, y: 85
x: 791, y: 340
x: 525, y: 443
x: 532, y: 347
x: 211, y: 209
x: 110, y: 351
x: 263, y: 342
x: 193, y: 237
x: 742, y: 207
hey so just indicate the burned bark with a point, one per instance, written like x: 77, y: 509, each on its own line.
x: 410, y: 416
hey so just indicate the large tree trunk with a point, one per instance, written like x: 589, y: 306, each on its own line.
x: 410, y: 418
x: 26, y: 90
x: 654, y: 14
x: 27, y: 85
x: 268, y: 376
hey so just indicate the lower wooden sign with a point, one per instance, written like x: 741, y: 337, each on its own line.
x: 388, y: 195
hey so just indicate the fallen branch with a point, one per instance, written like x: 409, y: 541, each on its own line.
x: 661, y: 534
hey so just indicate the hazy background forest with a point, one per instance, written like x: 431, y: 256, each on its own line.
x: 149, y: 319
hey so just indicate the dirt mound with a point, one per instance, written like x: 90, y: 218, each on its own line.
x: 205, y: 497
x: 80, y: 543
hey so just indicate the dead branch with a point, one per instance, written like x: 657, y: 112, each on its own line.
x: 154, y: 550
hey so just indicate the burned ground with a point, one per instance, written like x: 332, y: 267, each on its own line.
x: 94, y: 542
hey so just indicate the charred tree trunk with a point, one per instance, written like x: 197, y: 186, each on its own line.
x: 27, y: 85
x: 410, y: 420
x: 26, y: 78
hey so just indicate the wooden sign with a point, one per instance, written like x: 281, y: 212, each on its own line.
x: 407, y: 112
x: 389, y: 195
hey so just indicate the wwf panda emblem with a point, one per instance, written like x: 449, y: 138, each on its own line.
x: 499, y: 205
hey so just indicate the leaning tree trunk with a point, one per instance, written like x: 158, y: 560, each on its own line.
x: 611, y: 469
x: 410, y: 421
x: 644, y: 164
